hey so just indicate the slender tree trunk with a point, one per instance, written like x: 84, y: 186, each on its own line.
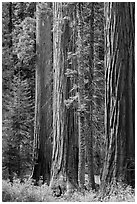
x: 119, y: 62
x: 43, y: 108
x: 81, y: 168
x: 37, y: 89
x: 89, y: 136
x: 99, y: 88
x: 10, y: 28
x: 71, y: 122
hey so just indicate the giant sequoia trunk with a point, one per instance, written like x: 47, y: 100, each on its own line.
x: 43, y: 108
x: 65, y: 143
x: 120, y: 110
x: 59, y: 86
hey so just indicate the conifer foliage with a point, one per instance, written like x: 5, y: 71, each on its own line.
x: 18, y: 89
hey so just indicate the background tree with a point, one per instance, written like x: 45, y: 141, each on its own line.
x: 98, y: 99
x: 7, y: 62
x: 119, y: 98
x: 18, y: 76
x: 19, y: 130
x: 88, y: 80
x: 71, y: 96
x: 89, y: 87
x: 81, y: 104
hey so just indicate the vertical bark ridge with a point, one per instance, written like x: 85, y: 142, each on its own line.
x: 119, y: 61
x: 59, y: 89
x: 43, y: 109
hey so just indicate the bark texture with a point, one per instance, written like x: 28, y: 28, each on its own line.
x: 59, y: 86
x: 71, y: 112
x: 89, y: 115
x: 99, y: 88
x: 120, y: 98
x: 65, y: 144
x: 43, y: 107
x: 81, y: 105
x: 10, y: 29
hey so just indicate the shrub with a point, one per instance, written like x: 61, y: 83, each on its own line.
x: 27, y: 192
x: 117, y: 192
x: 24, y: 192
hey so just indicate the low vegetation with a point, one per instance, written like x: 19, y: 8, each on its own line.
x: 27, y: 192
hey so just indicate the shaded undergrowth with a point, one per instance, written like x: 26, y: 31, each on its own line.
x: 27, y: 192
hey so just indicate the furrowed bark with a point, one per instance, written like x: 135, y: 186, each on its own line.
x: 119, y: 62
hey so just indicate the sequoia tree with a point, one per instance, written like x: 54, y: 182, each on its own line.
x: 43, y: 101
x: 59, y: 84
x: 65, y: 139
x: 119, y: 98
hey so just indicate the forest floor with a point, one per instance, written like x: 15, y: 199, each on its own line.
x: 27, y: 192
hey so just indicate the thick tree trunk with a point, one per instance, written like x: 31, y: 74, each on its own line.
x: 43, y: 108
x: 65, y: 144
x: 59, y: 86
x: 120, y: 121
